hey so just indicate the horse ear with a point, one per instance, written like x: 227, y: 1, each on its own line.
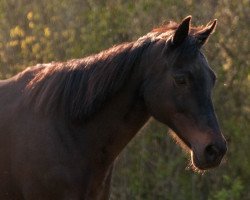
x: 182, y: 31
x: 203, y: 35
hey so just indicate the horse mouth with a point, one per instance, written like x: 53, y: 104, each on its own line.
x: 201, y: 159
x: 202, y: 164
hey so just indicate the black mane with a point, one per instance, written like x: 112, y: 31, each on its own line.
x: 80, y: 87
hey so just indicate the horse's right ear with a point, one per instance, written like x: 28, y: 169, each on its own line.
x: 182, y: 31
x: 203, y: 35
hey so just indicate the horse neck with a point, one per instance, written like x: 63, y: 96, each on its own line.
x: 120, y: 119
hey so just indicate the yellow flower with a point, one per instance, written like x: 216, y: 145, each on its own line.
x: 47, y: 32
x: 17, y: 31
x: 29, y: 39
x: 13, y: 43
x: 30, y: 15
x: 31, y: 25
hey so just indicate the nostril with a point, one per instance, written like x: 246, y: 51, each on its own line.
x: 211, y: 153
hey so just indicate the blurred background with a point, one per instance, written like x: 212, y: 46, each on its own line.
x: 152, y: 166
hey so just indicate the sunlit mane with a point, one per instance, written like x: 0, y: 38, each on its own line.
x: 78, y: 88
x: 166, y: 31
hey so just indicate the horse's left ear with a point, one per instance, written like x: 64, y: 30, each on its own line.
x: 182, y: 31
x: 203, y: 35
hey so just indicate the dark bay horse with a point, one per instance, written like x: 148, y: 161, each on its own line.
x: 63, y: 124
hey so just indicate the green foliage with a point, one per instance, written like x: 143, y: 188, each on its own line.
x: 233, y: 189
x: 152, y: 166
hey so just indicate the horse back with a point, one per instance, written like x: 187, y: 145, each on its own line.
x: 12, y: 112
x: 11, y: 90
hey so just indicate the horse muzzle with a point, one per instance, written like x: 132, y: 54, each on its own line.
x: 210, y: 156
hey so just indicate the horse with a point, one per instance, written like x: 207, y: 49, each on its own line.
x: 62, y: 124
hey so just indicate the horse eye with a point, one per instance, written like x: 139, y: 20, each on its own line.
x: 180, y: 80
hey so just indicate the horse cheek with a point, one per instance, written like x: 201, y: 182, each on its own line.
x: 160, y: 103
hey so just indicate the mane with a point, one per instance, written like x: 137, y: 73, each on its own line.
x: 168, y: 29
x: 78, y: 88
x: 172, y: 26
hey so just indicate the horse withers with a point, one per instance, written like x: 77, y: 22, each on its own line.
x: 63, y: 124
